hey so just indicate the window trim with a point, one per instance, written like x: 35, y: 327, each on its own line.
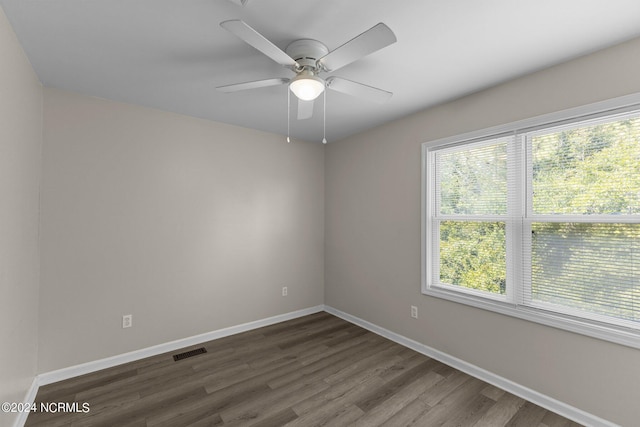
x: 592, y: 328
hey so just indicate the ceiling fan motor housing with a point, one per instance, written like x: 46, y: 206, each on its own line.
x: 306, y: 53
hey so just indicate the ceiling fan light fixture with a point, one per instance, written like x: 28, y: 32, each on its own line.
x: 306, y: 86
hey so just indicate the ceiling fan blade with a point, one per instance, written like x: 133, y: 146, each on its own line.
x: 252, y: 85
x: 250, y: 36
x: 358, y: 89
x: 375, y: 38
x: 305, y: 109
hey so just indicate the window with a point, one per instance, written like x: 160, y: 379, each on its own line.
x: 540, y: 220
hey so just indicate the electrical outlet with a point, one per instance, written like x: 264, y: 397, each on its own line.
x: 127, y: 321
x: 414, y: 311
x: 285, y: 291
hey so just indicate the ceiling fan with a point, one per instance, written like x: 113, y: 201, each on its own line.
x: 309, y: 59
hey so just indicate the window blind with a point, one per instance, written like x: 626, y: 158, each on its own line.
x: 470, y: 224
x: 582, y: 249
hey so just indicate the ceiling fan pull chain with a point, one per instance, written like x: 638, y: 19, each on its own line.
x: 288, y: 115
x: 324, y: 119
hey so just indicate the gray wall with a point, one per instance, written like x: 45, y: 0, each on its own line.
x: 372, y: 241
x: 20, y: 165
x: 187, y: 224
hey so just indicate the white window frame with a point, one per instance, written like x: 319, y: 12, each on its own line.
x: 515, y: 221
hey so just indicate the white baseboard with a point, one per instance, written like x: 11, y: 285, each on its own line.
x: 85, y: 368
x: 526, y: 393
x: 30, y: 397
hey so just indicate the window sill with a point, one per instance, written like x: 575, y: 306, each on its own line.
x: 623, y: 336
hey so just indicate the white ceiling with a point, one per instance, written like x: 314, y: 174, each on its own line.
x: 172, y: 54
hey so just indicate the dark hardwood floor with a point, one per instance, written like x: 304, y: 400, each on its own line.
x: 316, y: 370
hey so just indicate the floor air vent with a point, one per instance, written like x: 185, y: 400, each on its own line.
x: 190, y: 353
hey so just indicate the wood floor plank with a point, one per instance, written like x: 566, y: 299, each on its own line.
x: 375, y: 364
x: 359, y: 340
x: 444, y: 388
x: 554, y: 420
x: 210, y: 421
x: 316, y: 370
x: 376, y: 396
x: 138, y: 413
x: 218, y: 363
x: 492, y: 392
x: 333, y: 408
x: 235, y: 394
x: 396, y: 402
x: 186, y: 413
x: 305, y: 339
x: 68, y: 390
x: 278, y: 419
x: 271, y: 402
x: 528, y: 415
x: 322, y: 407
x: 343, y: 417
x: 451, y: 406
x: 279, y: 369
x: 327, y: 366
x: 469, y: 411
x: 308, y: 333
x: 141, y: 383
x: 500, y: 413
x: 410, y: 362
x: 409, y: 415
x: 350, y: 334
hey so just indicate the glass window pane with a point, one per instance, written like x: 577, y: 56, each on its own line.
x: 589, y: 267
x: 588, y: 170
x: 473, y: 181
x: 473, y: 255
